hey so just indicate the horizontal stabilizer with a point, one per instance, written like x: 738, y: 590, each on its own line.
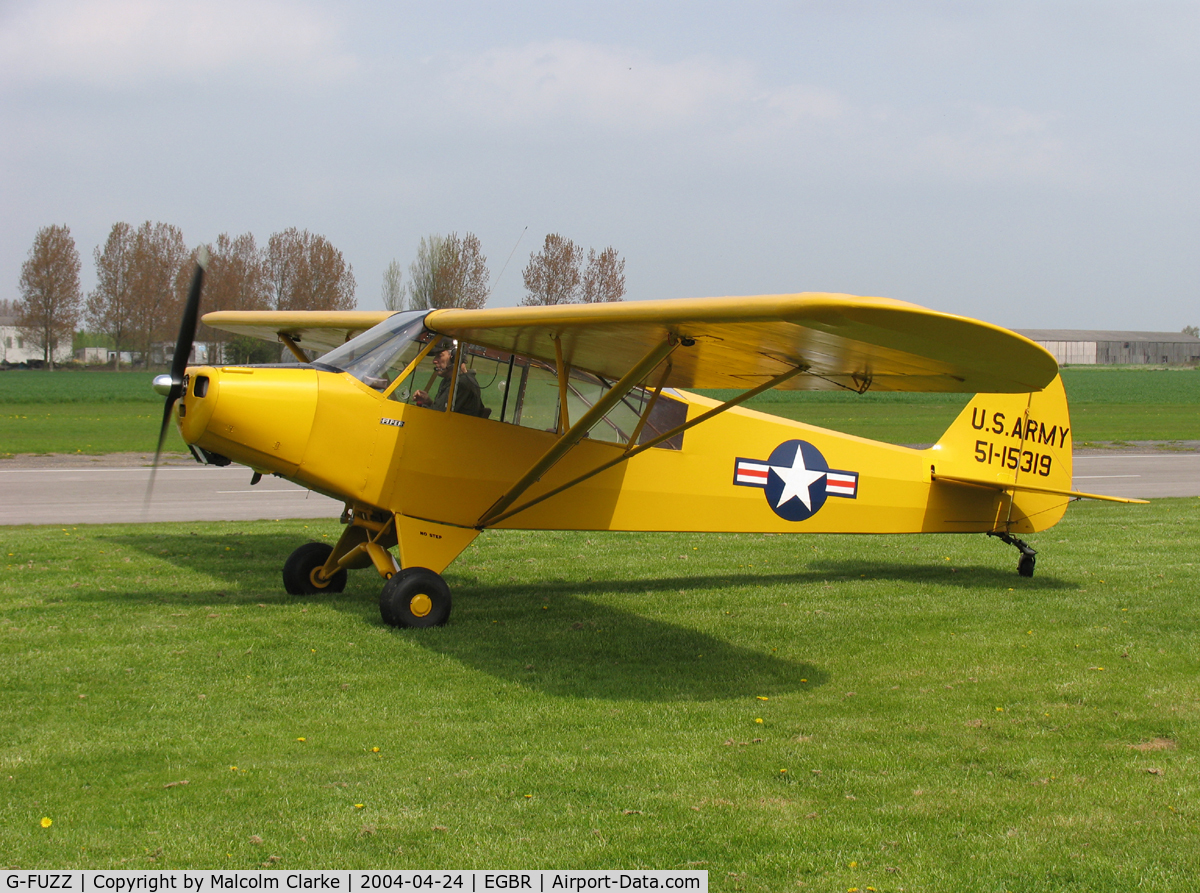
x: 1052, y: 491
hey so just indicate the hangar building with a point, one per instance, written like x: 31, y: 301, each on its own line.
x: 1085, y: 347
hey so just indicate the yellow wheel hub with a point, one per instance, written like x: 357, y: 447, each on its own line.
x: 316, y: 578
x: 420, y: 605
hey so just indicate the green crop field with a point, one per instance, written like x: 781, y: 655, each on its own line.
x: 105, y: 412
x: 821, y: 713
x: 80, y: 412
x: 28, y: 387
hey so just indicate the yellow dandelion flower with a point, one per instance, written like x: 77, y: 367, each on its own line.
x: 301, y: 739
x: 761, y: 698
x: 374, y: 750
x: 233, y: 768
x: 759, y: 719
x: 46, y: 822
x: 358, y: 806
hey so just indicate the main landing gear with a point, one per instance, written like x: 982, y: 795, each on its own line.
x: 415, y: 597
x: 1028, y: 555
x: 301, y: 571
x: 412, y: 596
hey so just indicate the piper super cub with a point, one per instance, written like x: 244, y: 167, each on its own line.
x: 432, y: 426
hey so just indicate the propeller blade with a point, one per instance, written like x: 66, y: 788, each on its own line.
x: 183, y: 350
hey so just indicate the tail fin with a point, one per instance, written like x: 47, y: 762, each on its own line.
x: 1018, y: 445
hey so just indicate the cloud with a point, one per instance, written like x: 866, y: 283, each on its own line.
x: 982, y: 142
x: 118, y: 44
x: 602, y: 86
x: 729, y: 112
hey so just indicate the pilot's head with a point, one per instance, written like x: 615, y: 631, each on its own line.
x: 443, y: 358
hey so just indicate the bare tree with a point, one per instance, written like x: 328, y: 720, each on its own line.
x: 50, y: 297
x: 7, y: 307
x: 110, y: 306
x: 604, y: 277
x: 236, y: 280
x: 393, y: 289
x: 282, y: 259
x: 423, y: 272
x: 305, y: 272
x: 160, y: 272
x: 463, y: 273
x: 449, y: 271
x: 552, y: 275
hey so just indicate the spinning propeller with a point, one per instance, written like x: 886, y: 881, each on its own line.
x: 171, y: 386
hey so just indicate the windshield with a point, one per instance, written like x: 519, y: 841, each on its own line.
x: 378, y: 355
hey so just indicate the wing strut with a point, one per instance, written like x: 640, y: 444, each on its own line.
x: 289, y: 341
x: 495, y: 516
x: 575, y: 433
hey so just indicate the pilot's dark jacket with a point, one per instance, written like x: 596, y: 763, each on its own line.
x: 466, y: 397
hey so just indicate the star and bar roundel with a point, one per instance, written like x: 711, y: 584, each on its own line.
x: 796, y: 479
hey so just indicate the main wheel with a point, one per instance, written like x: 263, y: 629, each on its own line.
x: 415, y: 597
x: 300, y: 571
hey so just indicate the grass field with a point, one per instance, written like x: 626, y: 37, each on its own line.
x: 105, y: 412
x: 824, y: 713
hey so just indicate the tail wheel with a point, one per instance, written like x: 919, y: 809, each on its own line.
x: 301, y: 572
x: 415, y: 597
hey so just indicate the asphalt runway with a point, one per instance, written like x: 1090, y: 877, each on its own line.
x: 97, y: 493
x: 111, y: 489
x: 1142, y: 475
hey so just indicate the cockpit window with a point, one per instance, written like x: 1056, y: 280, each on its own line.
x: 379, y: 354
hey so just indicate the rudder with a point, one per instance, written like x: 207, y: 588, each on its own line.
x: 1019, y: 440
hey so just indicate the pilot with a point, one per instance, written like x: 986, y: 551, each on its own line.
x: 467, y: 398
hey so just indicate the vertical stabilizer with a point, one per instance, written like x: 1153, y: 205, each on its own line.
x: 1018, y: 440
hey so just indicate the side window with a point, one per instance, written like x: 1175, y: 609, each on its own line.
x: 667, y: 414
x: 537, y: 396
x: 523, y: 391
x: 424, y: 378
x: 486, y: 371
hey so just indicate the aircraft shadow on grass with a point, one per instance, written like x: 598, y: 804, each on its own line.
x: 558, y: 636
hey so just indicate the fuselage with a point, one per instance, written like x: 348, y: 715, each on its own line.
x: 739, y: 471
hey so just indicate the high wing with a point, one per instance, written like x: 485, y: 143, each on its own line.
x: 841, y: 341
x: 317, y: 330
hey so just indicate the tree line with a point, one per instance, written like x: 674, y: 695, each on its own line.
x: 142, y: 277
x: 451, y: 271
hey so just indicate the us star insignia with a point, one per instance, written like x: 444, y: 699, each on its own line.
x: 796, y: 479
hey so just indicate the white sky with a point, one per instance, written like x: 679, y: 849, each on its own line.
x: 1033, y: 164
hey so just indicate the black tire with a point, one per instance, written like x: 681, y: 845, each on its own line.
x: 1025, y: 565
x: 415, y: 597
x: 298, y: 577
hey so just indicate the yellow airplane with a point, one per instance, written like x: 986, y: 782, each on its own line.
x: 433, y: 426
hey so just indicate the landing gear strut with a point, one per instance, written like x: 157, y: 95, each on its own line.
x: 1028, y: 555
x: 413, y: 596
x: 302, y: 572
